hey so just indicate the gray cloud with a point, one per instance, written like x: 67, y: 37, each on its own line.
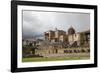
x: 35, y: 23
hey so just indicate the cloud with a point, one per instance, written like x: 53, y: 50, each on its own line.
x: 35, y: 23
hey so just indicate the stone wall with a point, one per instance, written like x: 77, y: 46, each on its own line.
x: 63, y: 52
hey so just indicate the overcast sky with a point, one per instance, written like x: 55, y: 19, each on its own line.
x: 35, y: 23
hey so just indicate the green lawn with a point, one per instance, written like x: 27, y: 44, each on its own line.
x: 39, y: 59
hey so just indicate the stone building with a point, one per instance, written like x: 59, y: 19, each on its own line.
x: 55, y: 36
x: 62, y: 43
x: 78, y: 38
x: 73, y: 38
x: 59, y: 43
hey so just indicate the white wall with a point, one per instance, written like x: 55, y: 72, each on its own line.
x: 5, y: 36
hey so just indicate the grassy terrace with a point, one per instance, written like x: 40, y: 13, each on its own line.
x: 74, y: 57
x: 40, y: 59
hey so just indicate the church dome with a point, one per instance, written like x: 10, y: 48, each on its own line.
x: 71, y: 30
